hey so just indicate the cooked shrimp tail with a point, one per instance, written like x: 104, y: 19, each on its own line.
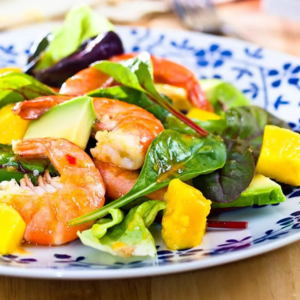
x: 47, y: 208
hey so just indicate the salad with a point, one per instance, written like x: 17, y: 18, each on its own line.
x: 98, y: 144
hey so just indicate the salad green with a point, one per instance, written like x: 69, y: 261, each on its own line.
x: 81, y: 23
x: 125, y: 236
x: 171, y: 155
x: 16, y: 87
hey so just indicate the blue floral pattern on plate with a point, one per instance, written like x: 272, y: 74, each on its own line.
x: 269, y: 79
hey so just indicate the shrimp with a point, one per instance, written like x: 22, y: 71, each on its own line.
x: 33, y: 109
x: 165, y: 71
x: 85, y: 81
x: 118, y: 181
x: 169, y: 72
x: 123, y: 131
x: 47, y: 208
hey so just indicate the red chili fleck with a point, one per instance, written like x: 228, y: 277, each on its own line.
x: 71, y: 159
x: 227, y: 224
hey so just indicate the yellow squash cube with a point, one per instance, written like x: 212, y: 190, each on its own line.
x: 12, y: 228
x: 184, y: 221
x: 280, y: 155
x: 202, y: 115
x: 12, y: 127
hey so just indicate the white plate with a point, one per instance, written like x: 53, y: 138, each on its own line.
x: 268, y: 78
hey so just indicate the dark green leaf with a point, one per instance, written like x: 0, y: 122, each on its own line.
x: 261, y: 191
x: 171, y: 155
x: 227, y: 184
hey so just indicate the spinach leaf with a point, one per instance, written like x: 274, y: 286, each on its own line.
x: 16, y: 87
x: 125, y: 236
x: 136, y: 73
x: 81, y: 24
x: 227, y: 183
x: 171, y: 155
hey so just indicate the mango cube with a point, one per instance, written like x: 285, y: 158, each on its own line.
x: 12, y: 228
x: 280, y: 155
x: 12, y: 127
x: 184, y: 221
x: 202, y: 115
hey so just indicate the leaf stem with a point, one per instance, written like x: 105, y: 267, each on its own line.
x: 227, y: 224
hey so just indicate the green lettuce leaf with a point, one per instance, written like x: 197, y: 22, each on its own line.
x: 81, y: 23
x: 220, y: 93
x: 171, y: 155
x: 17, y: 87
x: 127, y: 236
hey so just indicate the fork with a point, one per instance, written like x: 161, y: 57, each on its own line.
x: 200, y: 15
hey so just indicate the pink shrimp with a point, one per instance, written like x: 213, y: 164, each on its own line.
x: 165, y: 71
x: 118, y: 181
x: 124, y: 133
x: 47, y: 208
x: 85, y: 81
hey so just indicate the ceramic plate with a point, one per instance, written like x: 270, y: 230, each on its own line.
x: 268, y: 78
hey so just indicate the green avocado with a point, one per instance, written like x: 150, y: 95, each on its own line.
x: 217, y: 90
x: 72, y: 120
x: 261, y: 191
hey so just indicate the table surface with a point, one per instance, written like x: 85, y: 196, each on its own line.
x: 274, y: 275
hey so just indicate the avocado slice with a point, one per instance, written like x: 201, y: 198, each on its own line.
x: 261, y: 191
x: 72, y: 120
x: 217, y: 90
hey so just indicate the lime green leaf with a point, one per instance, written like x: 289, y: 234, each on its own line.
x: 128, y: 236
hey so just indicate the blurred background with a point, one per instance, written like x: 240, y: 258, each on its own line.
x: 269, y: 23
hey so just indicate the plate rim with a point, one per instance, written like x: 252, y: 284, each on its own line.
x: 90, y: 274
x: 96, y: 274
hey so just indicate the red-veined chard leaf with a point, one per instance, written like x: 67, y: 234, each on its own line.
x: 227, y: 183
x: 136, y: 73
x: 17, y: 87
x: 171, y: 155
x: 248, y: 123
